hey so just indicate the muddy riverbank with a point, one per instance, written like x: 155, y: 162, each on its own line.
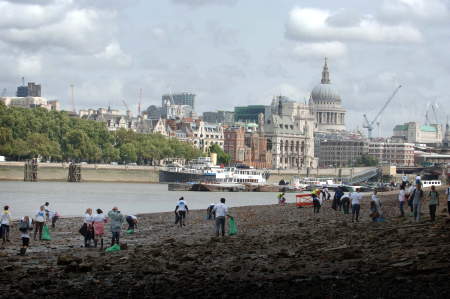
x: 279, y: 252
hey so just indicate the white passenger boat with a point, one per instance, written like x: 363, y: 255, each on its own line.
x: 203, y: 170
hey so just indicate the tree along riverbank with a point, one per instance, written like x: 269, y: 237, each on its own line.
x: 279, y: 252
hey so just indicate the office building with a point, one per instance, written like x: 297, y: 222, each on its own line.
x: 248, y: 113
x: 183, y: 98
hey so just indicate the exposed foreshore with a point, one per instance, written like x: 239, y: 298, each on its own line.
x: 13, y: 171
x: 279, y: 252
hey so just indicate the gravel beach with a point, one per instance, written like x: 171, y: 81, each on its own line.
x: 279, y: 252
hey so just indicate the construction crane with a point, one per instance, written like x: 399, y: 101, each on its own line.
x: 433, y: 107
x: 369, y: 125
x: 126, y: 106
x: 140, y: 100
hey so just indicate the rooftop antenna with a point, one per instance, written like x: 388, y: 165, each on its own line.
x: 23, y: 81
x: 72, y: 98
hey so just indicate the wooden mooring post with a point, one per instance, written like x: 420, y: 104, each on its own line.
x: 30, y: 173
x: 74, y: 173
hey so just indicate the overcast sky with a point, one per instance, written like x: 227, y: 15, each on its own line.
x: 232, y: 52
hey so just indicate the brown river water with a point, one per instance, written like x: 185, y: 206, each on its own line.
x: 72, y: 199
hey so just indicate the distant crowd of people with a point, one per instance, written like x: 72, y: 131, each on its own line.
x: 412, y: 195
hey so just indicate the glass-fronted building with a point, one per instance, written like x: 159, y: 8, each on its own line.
x: 248, y: 113
x: 183, y: 98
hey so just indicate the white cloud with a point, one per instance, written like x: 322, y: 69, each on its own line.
x: 429, y: 10
x: 61, y: 25
x: 114, y: 53
x: 310, y: 24
x: 197, y: 3
x: 30, y: 65
x: 333, y: 49
x: 79, y: 31
x: 19, y: 15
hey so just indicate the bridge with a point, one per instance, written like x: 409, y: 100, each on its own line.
x: 362, y: 176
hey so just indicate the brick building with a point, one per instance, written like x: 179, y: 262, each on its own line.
x: 247, y: 146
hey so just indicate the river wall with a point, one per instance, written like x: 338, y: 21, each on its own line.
x: 88, y: 174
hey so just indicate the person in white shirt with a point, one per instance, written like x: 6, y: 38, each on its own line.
x: 447, y: 192
x: 88, y: 228
x: 418, y: 179
x: 132, y: 222
x: 52, y: 216
x: 375, y: 207
x: 221, y: 211
x: 5, y: 223
x: 326, y: 194
x: 180, y: 212
x: 356, y: 205
x: 402, y: 199
x: 39, y: 220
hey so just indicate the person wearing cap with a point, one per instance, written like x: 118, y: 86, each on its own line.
x: 116, y: 225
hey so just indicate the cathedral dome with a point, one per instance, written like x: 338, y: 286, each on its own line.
x: 325, y: 92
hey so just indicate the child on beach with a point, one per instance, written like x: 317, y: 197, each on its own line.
x: 316, y: 202
x: 25, y: 226
x: 99, y: 227
x: 5, y: 223
x: 87, y: 230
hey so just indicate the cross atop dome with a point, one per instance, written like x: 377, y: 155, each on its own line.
x: 325, y: 73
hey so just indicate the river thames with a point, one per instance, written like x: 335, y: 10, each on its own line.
x: 72, y: 199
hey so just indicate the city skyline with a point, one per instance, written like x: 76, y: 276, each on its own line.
x: 232, y: 53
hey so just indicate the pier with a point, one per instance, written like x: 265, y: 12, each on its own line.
x: 74, y: 173
x: 31, y: 170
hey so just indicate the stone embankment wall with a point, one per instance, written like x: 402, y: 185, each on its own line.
x: 13, y: 171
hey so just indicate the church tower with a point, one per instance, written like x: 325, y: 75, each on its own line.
x: 327, y: 105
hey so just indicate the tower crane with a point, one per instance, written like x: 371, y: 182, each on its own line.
x: 369, y: 125
x: 140, y: 100
x: 126, y: 106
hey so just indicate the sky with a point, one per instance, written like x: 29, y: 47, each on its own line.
x: 233, y: 52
